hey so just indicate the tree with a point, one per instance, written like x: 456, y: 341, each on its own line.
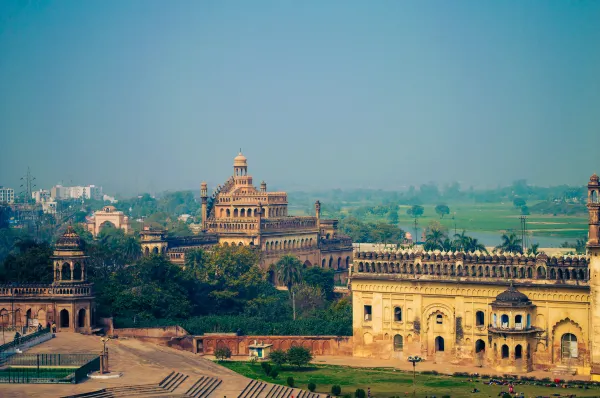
x: 290, y: 381
x: 321, y: 278
x: 288, y: 270
x: 519, y: 202
x: 308, y: 299
x: 274, y: 373
x: 299, y: 356
x: 442, y: 210
x: 415, y: 211
x: 359, y: 393
x: 278, y: 357
x: 30, y: 264
x: 525, y: 210
x: 533, y: 249
x: 392, y: 216
x: 312, y: 387
x: 222, y: 353
x: 510, y: 243
x: 434, y: 240
x: 266, y: 367
x: 336, y: 390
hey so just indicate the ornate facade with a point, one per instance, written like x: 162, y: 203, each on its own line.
x: 513, y: 313
x: 240, y: 214
x: 68, y: 301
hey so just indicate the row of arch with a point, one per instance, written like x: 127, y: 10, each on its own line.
x: 243, y: 213
x: 64, y: 318
x: 69, y: 272
x: 290, y: 244
x: 339, y: 264
x: 509, y: 272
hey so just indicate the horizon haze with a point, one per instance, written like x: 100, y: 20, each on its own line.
x: 147, y: 96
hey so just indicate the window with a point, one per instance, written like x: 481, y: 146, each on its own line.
x: 398, y: 343
x: 494, y: 320
x: 504, y: 351
x: 439, y: 319
x: 568, y: 345
x: 368, y: 314
x: 504, y: 321
x: 479, y: 318
x: 519, y: 322
x: 398, y: 314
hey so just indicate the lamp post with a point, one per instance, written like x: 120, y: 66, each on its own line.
x: 104, y: 356
x: 414, y: 359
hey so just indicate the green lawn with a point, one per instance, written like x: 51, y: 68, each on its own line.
x: 388, y: 383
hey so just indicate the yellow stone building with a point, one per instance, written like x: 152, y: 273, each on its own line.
x: 510, y: 312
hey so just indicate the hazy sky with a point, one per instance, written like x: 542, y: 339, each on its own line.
x: 154, y: 95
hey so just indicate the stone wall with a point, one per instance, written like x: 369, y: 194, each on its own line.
x: 166, y: 332
x: 319, y: 345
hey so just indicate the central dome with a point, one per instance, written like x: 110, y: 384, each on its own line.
x: 70, y: 240
x: 240, y: 160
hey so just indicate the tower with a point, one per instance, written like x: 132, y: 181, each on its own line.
x: 240, y: 165
x: 263, y: 187
x: 318, y: 214
x: 204, y: 197
x: 593, y: 247
x: 69, y: 259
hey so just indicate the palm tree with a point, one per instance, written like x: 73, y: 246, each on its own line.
x: 510, y: 243
x: 461, y: 241
x: 448, y: 245
x: 474, y: 245
x: 288, y: 271
x: 533, y: 250
x: 434, y: 240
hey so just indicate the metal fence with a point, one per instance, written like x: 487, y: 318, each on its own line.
x: 23, y: 339
x: 49, y: 368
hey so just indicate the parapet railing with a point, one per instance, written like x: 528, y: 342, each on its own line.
x: 54, y: 289
x: 23, y: 339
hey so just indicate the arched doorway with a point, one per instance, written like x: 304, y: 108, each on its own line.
x: 81, y: 318
x: 479, y: 346
x: 439, y: 344
x: 28, y: 318
x: 398, y: 343
x: 64, y: 319
x: 504, y: 351
x: 66, y: 272
x: 518, y: 351
x: 568, y: 346
x: 77, y: 272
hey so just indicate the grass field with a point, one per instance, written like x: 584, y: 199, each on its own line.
x: 388, y: 383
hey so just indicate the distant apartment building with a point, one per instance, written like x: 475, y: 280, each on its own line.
x: 40, y: 196
x: 76, y: 192
x: 7, y: 195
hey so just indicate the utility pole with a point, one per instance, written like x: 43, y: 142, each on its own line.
x: 294, y: 303
x: 523, y: 233
x: 416, y: 235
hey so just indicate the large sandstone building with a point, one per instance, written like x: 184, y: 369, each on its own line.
x: 68, y: 301
x: 513, y: 313
x: 240, y: 214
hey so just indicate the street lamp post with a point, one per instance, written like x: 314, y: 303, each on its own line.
x: 414, y: 359
x: 104, y: 355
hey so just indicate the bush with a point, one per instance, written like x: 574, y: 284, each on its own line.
x: 299, y: 356
x: 347, y: 396
x: 445, y: 396
x: 274, y: 373
x: 222, y: 353
x: 266, y: 367
x: 336, y: 390
x: 506, y: 395
x: 290, y: 381
x: 312, y: 387
x: 278, y: 357
x: 359, y: 393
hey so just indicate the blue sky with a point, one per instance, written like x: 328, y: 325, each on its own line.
x: 154, y: 95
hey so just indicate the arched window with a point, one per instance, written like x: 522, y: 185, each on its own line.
x: 398, y: 314
x: 568, y: 346
x: 243, y: 213
x: 398, y: 343
x: 519, y: 321
x: 77, y: 272
x: 323, y: 263
x: 518, y: 351
x: 66, y: 272
x: 594, y: 196
x: 347, y: 261
x: 504, y: 351
x: 494, y: 320
x: 235, y: 213
x: 479, y: 318
x: 541, y: 273
x: 504, y: 321
x: 228, y: 212
x: 439, y: 319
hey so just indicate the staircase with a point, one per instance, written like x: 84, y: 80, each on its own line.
x: 260, y: 389
x: 203, y: 387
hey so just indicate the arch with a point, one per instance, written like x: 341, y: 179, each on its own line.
x: 64, y: 318
x: 106, y: 224
x: 398, y: 343
x: 66, y: 272
x: 243, y: 213
x: 568, y: 346
x: 147, y: 251
x: 81, y: 318
x: 228, y: 212
x: 398, y: 314
x: 339, y: 263
x: 518, y: 351
x: 347, y: 261
x: 235, y: 213
x: 330, y: 262
x: 323, y: 263
x: 479, y: 346
x: 504, y: 321
x: 504, y: 351
x: 480, y: 318
x: 541, y: 272
x: 519, y: 321
x: 77, y: 274
x: 594, y: 196
x: 4, y: 317
x: 155, y: 250
x: 552, y: 273
x: 28, y: 317
x: 368, y: 338
x: 439, y: 344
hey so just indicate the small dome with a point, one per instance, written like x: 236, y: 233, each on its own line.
x: 69, y: 241
x: 594, y: 178
x: 240, y: 160
x: 512, y: 297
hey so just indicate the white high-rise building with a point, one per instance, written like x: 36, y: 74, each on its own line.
x: 40, y: 196
x: 77, y: 192
x: 7, y: 195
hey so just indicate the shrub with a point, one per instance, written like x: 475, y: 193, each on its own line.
x: 278, y: 357
x: 336, y: 390
x: 299, y: 356
x: 506, y: 395
x: 222, y: 353
x: 445, y: 396
x: 274, y: 373
x: 359, y: 393
x: 266, y: 367
x: 290, y: 381
x: 312, y: 387
x: 253, y: 361
x: 347, y: 396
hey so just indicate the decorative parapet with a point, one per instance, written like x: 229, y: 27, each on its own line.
x: 336, y: 244
x: 190, y: 241
x: 275, y: 224
x: 62, y: 289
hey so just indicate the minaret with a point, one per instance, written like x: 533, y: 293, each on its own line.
x: 263, y: 187
x: 204, y: 197
x: 593, y: 247
x: 318, y: 213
